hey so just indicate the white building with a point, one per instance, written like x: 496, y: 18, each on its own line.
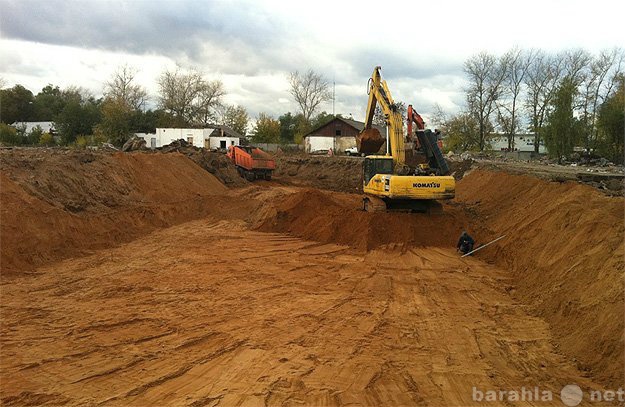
x: 338, y: 134
x: 522, y: 143
x: 212, y: 137
x: 46, y: 127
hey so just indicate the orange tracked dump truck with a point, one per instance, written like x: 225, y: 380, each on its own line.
x: 251, y: 162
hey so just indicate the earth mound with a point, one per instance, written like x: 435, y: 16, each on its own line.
x: 58, y: 203
x: 339, y: 218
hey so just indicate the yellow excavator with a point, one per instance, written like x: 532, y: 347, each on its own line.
x: 388, y: 182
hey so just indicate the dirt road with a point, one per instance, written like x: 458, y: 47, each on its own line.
x: 211, y: 313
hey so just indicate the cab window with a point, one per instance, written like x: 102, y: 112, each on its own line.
x: 384, y: 166
x: 374, y: 166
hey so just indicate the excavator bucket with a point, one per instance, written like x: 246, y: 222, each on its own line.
x: 369, y: 141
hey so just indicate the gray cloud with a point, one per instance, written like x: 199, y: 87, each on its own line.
x: 175, y: 29
x: 229, y: 38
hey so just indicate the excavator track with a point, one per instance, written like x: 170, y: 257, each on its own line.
x: 373, y: 204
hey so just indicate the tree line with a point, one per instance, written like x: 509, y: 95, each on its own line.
x: 566, y: 99
x: 185, y: 99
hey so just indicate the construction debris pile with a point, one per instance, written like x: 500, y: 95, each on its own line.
x: 134, y: 144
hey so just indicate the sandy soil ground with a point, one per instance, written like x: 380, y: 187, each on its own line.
x: 209, y: 312
x: 140, y: 279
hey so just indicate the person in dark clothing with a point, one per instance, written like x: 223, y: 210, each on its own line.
x: 465, y: 243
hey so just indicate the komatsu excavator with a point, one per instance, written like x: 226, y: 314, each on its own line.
x: 388, y: 182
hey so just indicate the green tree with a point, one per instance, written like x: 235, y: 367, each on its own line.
x: 266, y: 129
x: 236, y: 118
x: 49, y: 103
x: 293, y: 125
x: 611, y: 123
x: 146, y: 121
x: 322, y: 119
x: 287, y: 127
x: 78, y: 117
x: 562, y: 129
x: 116, y: 124
x: 462, y: 133
x: 16, y: 105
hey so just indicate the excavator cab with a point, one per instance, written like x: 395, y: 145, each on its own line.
x: 376, y: 164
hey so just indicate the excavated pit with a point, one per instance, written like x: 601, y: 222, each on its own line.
x: 127, y: 276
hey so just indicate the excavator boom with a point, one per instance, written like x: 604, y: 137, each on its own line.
x: 370, y: 141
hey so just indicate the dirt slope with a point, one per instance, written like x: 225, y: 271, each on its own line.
x: 58, y: 204
x: 565, y: 249
x: 338, y: 218
x: 332, y: 173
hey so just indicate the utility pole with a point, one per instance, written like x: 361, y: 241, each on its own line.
x: 333, y: 93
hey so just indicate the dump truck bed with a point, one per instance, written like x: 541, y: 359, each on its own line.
x: 251, y: 158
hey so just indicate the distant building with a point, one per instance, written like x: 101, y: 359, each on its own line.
x: 338, y: 135
x: 523, y: 143
x: 46, y: 127
x: 210, y: 137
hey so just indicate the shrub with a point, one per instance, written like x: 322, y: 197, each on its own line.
x: 82, y: 141
x: 46, y: 139
x: 35, y: 135
x: 9, y: 136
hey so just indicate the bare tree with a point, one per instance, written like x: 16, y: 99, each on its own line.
x: 439, y: 117
x: 379, y: 117
x: 598, y: 83
x: 309, y: 90
x: 516, y: 64
x: 209, y: 100
x: 486, y: 74
x: 123, y: 87
x: 542, y: 78
x: 188, y: 96
x: 178, y: 89
x: 575, y: 65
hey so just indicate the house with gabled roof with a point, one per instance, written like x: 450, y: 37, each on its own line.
x: 338, y: 135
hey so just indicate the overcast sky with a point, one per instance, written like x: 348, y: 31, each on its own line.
x: 252, y: 45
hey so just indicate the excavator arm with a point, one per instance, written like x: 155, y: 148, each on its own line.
x: 414, y: 118
x: 380, y: 95
x: 427, y: 142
